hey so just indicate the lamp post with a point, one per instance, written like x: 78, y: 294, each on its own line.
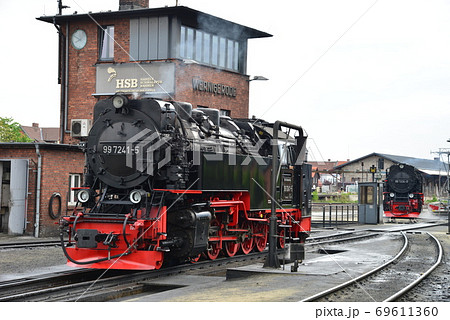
x: 257, y: 78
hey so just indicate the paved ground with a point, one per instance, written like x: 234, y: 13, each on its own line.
x: 317, y: 272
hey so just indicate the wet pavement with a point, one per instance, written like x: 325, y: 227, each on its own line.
x: 254, y: 283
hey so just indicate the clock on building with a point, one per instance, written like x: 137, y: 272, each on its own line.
x: 79, y: 39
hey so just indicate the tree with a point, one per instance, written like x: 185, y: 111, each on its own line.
x: 10, y: 131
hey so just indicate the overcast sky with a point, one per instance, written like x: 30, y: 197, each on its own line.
x: 359, y: 76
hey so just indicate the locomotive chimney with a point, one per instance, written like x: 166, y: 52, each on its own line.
x: 133, y: 4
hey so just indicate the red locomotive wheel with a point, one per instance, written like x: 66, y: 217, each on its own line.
x: 231, y: 248
x: 281, y: 239
x: 248, y: 243
x: 214, y: 251
x: 195, y: 259
x: 214, y: 248
x: 261, y: 232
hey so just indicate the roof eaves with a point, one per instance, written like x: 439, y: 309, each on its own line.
x: 186, y: 14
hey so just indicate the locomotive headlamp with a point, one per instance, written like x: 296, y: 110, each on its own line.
x: 392, y: 194
x: 411, y: 195
x: 136, y: 196
x: 83, y: 196
x: 119, y: 101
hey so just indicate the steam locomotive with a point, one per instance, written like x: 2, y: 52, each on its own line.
x: 166, y: 183
x: 402, y: 195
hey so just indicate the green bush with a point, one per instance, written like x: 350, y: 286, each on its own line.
x: 315, y: 196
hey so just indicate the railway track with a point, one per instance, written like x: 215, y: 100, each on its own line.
x: 390, y: 281
x: 30, y: 244
x: 101, y: 285
x: 98, y: 285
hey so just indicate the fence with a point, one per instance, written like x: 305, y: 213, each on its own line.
x: 328, y: 215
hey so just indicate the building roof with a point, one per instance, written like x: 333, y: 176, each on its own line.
x: 325, y: 166
x: 428, y: 166
x: 188, y: 16
x: 44, y: 146
x: 41, y: 134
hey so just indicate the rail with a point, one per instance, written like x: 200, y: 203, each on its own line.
x: 363, y: 276
x: 404, y: 255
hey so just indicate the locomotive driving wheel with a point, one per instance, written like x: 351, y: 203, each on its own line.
x: 281, y: 239
x: 260, y: 230
x: 248, y: 243
x: 230, y: 248
x: 214, y: 246
x: 195, y: 259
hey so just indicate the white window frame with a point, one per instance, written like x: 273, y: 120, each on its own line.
x: 74, y: 182
x: 106, y: 49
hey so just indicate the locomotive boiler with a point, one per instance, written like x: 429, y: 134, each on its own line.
x: 166, y: 183
x: 402, y: 192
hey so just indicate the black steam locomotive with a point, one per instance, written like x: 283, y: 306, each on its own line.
x: 166, y: 182
x: 402, y: 192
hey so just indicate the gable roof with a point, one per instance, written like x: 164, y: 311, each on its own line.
x: 428, y: 166
x: 41, y: 134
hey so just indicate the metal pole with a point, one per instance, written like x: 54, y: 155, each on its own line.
x: 337, y: 222
x: 272, y: 258
x: 329, y: 216
x: 323, y: 217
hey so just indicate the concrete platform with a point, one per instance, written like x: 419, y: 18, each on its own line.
x: 257, y: 284
x: 251, y: 283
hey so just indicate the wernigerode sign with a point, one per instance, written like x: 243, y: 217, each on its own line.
x: 215, y: 88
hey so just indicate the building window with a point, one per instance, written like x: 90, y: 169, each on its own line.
x: 224, y: 112
x: 215, y: 51
x: 206, y: 48
x: 106, y: 43
x: 199, y: 46
x: 209, y: 49
x: 222, y: 52
x: 74, y: 182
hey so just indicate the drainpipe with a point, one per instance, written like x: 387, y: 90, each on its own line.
x: 63, y: 74
x: 38, y: 192
x: 66, y: 83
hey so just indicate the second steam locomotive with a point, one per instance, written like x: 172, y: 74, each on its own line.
x: 166, y: 183
x: 402, y: 195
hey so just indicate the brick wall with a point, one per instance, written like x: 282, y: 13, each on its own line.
x: 57, y: 163
x: 184, y: 90
x: 56, y: 167
x: 82, y: 70
x: 82, y: 75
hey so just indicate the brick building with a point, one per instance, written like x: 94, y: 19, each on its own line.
x: 35, y: 181
x: 173, y: 53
